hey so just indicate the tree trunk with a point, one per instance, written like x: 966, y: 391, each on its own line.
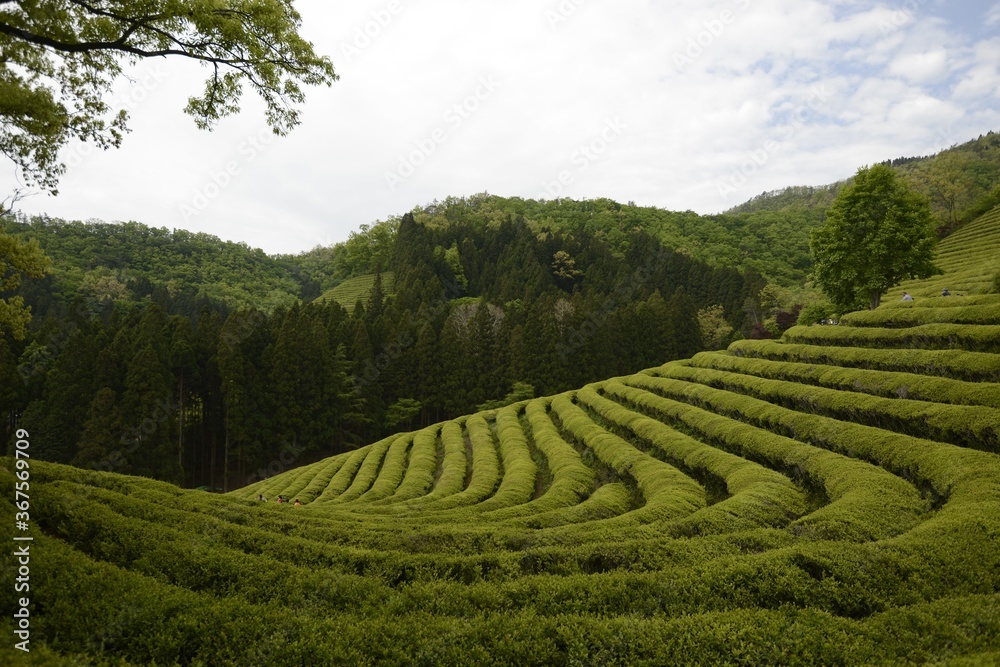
x: 225, y: 459
x: 875, y: 300
x: 180, y: 431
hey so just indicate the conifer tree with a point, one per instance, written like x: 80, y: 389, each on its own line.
x: 683, y: 330
x: 102, y: 430
x: 148, y: 413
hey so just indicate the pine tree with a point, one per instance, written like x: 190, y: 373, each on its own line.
x: 102, y: 431
x: 376, y: 298
x: 184, y: 368
x: 430, y: 376
x: 683, y: 330
x: 148, y: 413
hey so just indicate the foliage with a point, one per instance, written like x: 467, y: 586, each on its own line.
x: 404, y: 411
x: 133, y: 262
x: 816, y: 313
x: 962, y: 183
x: 715, y: 330
x: 876, y: 235
x: 804, y: 197
x: 520, y: 391
x: 61, y: 59
x: 18, y: 259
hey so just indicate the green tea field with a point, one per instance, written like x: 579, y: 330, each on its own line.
x: 830, y: 498
x: 352, y: 290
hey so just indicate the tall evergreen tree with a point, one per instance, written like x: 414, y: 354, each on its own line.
x: 102, y: 431
x: 148, y: 413
x: 684, y: 333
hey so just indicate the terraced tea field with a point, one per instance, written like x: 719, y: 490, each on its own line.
x: 349, y: 292
x: 831, y: 498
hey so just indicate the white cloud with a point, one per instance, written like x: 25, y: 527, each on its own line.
x: 925, y: 67
x: 993, y: 16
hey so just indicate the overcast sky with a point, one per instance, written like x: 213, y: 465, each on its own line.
x: 681, y: 105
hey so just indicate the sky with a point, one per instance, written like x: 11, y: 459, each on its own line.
x: 682, y: 105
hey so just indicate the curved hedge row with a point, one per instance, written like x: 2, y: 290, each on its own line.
x: 967, y: 337
x: 910, y: 317
x: 874, y: 382
x: 758, y: 496
x: 865, y: 501
x: 668, y: 493
x: 972, y: 426
x: 956, y: 364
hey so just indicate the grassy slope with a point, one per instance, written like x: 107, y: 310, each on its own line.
x: 351, y: 290
x: 832, y: 498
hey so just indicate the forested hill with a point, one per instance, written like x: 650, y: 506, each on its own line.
x: 775, y: 245
x: 769, y: 233
x: 962, y: 183
x: 141, y: 368
x: 130, y: 261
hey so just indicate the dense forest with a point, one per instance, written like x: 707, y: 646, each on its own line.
x: 216, y: 364
x: 141, y: 359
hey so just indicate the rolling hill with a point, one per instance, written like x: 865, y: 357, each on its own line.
x: 832, y: 497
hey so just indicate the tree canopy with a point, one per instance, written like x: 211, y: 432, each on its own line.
x: 878, y: 233
x: 17, y: 259
x: 60, y: 58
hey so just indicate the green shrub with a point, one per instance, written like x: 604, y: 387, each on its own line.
x: 817, y: 312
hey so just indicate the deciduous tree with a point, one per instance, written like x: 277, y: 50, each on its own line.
x: 17, y: 259
x: 878, y: 233
x: 61, y: 57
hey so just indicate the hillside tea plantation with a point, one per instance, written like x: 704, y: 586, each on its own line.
x: 832, y: 498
